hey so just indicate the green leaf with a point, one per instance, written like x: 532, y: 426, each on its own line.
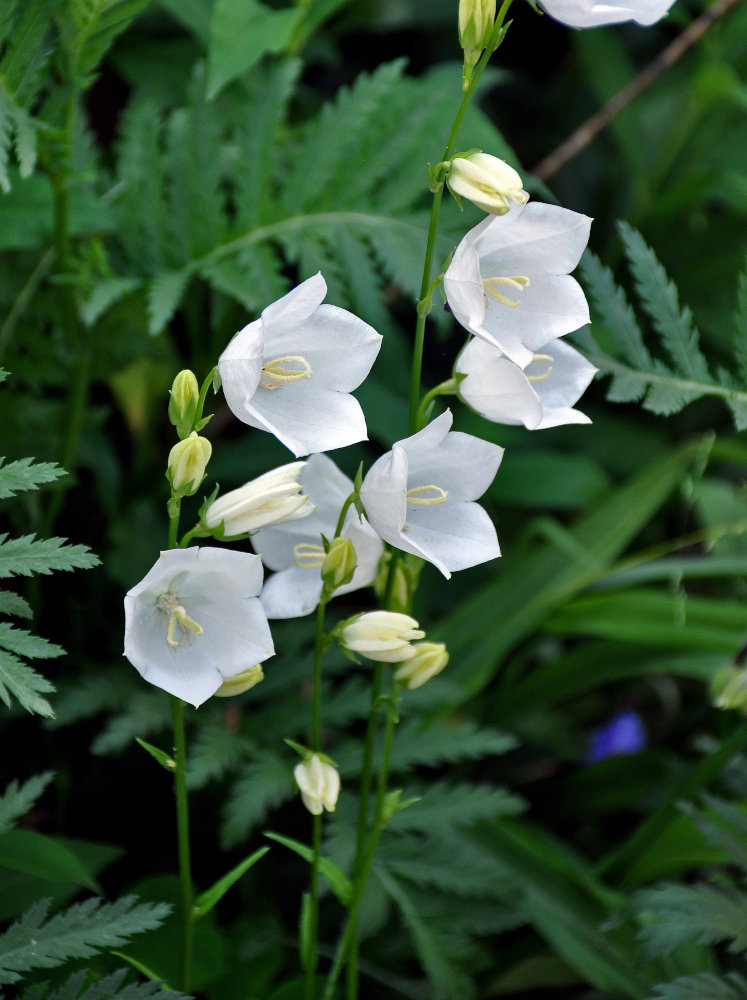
x: 165, y: 760
x: 17, y: 800
x: 23, y: 475
x: 703, y: 913
x: 25, y: 685
x: 339, y: 883
x: 112, y: 987
x: 241, y: 32
x: 12, y: 604
x: 264, y: 784
x: 26, y: 555
x: 98, y: 22
x: 35, y: 942
x: 704, y: 986
x: 43, y: 857
x: 208, y: 899
x: 23, y: 643
x: 165, y: 293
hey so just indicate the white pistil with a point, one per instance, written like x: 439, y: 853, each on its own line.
x: 541, y: 357
x: 284, y: 370
x: 175, y: 616
x: 518, y: 281
x: 307, y: 556
x: 418, y: 498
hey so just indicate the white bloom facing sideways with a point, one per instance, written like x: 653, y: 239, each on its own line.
x: 540, y: 396
x: 592, y: 14
x: 291, y: 371
x: 509, y: 280
x: 486, y: 181
x: 430, y: 659
x: 419, y: 496
x: 195, y: 621
x: 294, y: 550
x: 319, y: 784
x: 269, y: 499
x: 384, y: 636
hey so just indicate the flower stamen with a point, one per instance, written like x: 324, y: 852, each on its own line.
x: 284, y: 370
x: 541, y: 357
x: 518, y: 281
x: 175, y: 616
x: 307, y: 556
x: 416, y: 496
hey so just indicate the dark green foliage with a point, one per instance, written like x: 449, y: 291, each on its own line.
x: 112, y: 987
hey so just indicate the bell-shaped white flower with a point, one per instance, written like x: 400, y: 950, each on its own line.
x: 542, y: 395
x: 195, y: 620
x: 295, y: 549
x: 274, y: 497
x: 509, y: 280
x: 419, y: 496
x: 291, y: 371
x: 486, y: 181
x: 592, y: 13
x: 384, y: 636
x: 319, y: 784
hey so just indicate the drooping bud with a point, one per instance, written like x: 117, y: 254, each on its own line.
x: 339, y: 564
x: 188, y: 460
x: 184, y: 398
x: 729, y: 687
x: 270, y: 499
x: 430, y: 658
x: 486, y: 181
x: 476, y: 20
x: 241, y: 682
x: 381, y: 635
x: 319, y: 784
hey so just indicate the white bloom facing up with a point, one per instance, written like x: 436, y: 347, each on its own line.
x: 509, y: 280
x: 384, y: 636
x: 540, y: 396
x: 295, y: 549
x: 592, y: 13
x: 319, y: 784
x: 270, y: 499
x: 291, y: 371
x: 486, y: 181
x: 419, y: 496
x: 195, y: 620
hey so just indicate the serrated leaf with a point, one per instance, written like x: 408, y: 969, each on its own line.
x: 165, y: 292
x: 704, y: 986
x: 12, y: 604
x: 704, y: 913
x: 27, y: 554
x: 17, y: 799
x: 339, y: 883
x: 25, y: 685
x: 241, y: 32
x: 25, y: 644
x: 264, y: 784
x: 111, y: 987
x: 98, y: 24
x: 22, y: 475
x: 104, y: 295
x: 33, y: 942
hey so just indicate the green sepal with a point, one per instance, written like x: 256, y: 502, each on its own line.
x: 338, y: 881
x: 305, y: 754
x: 208, y: 899
x: 357, y: 483
x: 160, y: 755
x: 206, y: 503
x: 202, y: 423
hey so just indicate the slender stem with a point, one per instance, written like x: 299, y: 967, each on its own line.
x: 182, y: 823
x: 448, y: 388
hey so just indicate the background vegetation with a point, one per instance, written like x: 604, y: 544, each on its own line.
x: 170, y: 167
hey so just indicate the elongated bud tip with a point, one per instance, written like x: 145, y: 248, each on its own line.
x: 429, y: 659
x: 188, y: 460
x: 339, y: 564
x: 184, y: 397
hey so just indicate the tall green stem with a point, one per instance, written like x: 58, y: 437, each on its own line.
x: 182, y: 824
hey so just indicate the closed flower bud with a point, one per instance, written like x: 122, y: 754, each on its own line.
x: 476, y: 19
x: 486, y: 181
x: 339, y: 564
x: 183, y: 401
x: 382, y: 635
x: 430, y: 658
x: 241, y: 682
x: 319, y: 784
x: 729, y: 687
x: 188, y: 460
x: 270, y: 499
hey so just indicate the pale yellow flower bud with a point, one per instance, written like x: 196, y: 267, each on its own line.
x: 430, y: 658
x: 339, y: 564
x: 188, y: 460
x: 184, y: 397
x: 241, y: 682
x: 729, y: 687
x: 270, y: 499
x: 382, y: 635
x: 476, y: 20
x: 486, y: 181
x: 319, y: 784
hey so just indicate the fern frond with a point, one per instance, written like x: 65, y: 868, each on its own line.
x: 95, y: 25
x: 17, y: 799
x: 455, y: 806
x: 145, y: 713
x: 724, y: 825
x: 705, y: 913
x: 24, y: 684
x: 27, y: 554
x: 704, y: 986
x: 23, y: 643
x: 615, y: 312
x: 264, y: 785
x: 446, y: 741
x: 12, y: 604
x: 35, y: 942
x: 215, y: 751
x: 449, y: 862
x: 17, y: 477
x: 112, y: 987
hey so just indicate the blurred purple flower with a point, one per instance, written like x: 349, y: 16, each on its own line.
x: 623, y: 734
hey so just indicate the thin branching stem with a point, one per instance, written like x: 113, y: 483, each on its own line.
x: 182, y: 824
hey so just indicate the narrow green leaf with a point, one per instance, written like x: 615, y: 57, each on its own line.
x: 163, y: 758
x: 339, y: 883
x: 208, y: 899
x: 32, y: 853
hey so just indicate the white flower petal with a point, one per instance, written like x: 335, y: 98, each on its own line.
x: 297, y: 305
x: 291, y: 593
x: 496, y: 387
x: 461, y: 535
x: 530, y: 238
x: 591, y: 14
